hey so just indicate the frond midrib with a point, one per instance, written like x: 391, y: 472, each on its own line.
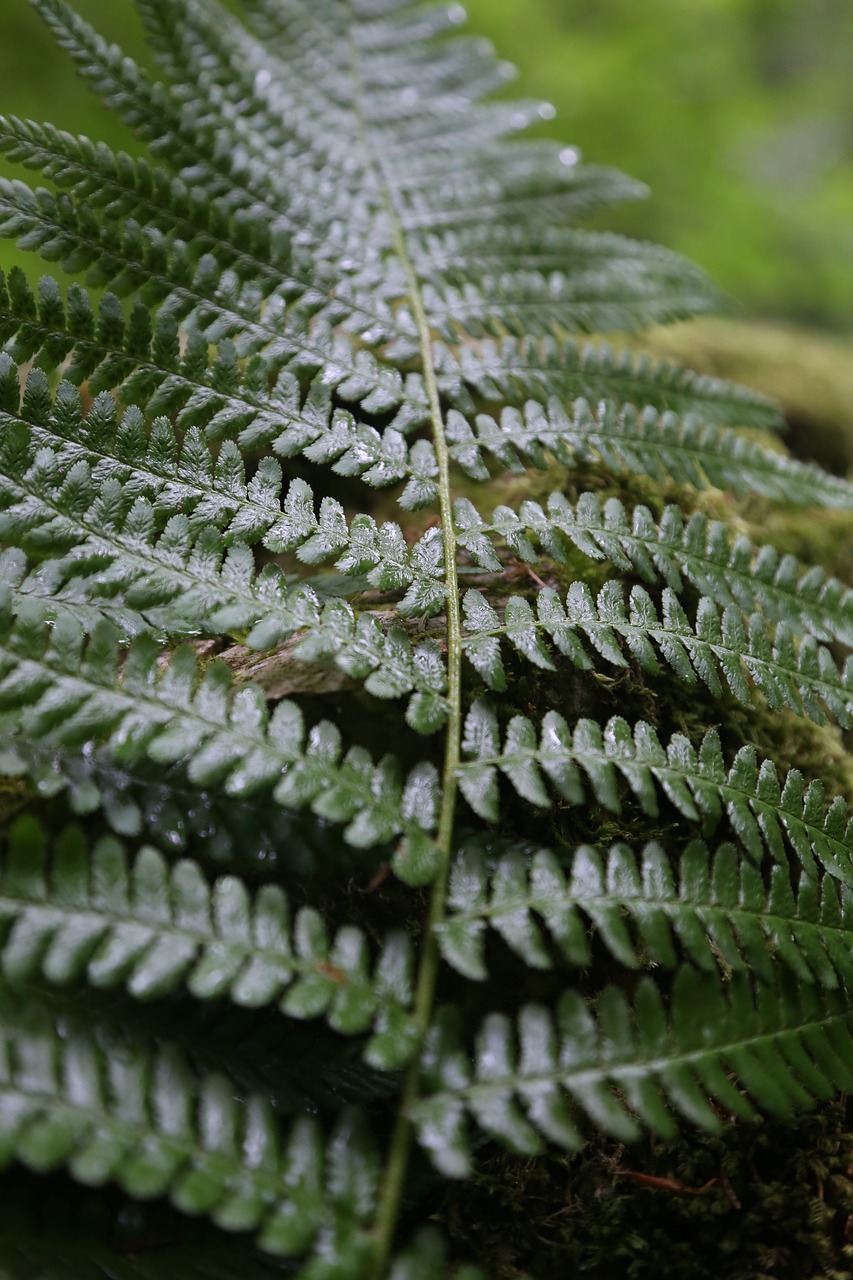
x: 391, y: 1191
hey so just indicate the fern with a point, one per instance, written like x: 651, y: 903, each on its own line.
x: 725, y: 570
x: 716, y: 643
x: 273, y: 781
x: 152, y: 927
x: 623, y: 1064
x: 74, y: 1104
x: 713, y: 910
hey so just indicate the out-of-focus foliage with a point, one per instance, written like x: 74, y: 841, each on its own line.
x: 737, y: 113
x: 39, y: 84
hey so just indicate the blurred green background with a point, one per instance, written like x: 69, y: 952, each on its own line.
x: 737, y: 113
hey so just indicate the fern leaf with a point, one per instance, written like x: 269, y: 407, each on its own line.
x: 155, y: 113
x: 513, y: 190
x: 714, y: 910
x: 181, y: 384
x: 730, y: 571
x: 226, y: 602
x: 88, y: 1239
x: 58, y: 692
x: 805, y: 679
x: 763, y: 812
x: 118, y: 564
x: 529, y: 302
x: 663, y: 446
x: 625, y: 1066
x: 127, y: 259
x: 298, y: 1065
x: 57, y: 465
x: 389, y: 46
x: 152, y: 928
x: 142, y: 1120
x: 545, y: 249
x: 123, y: 186
x: 537, y: 369
x: 336, y: 252
x: 141, y: 355
x: 58, y: 595
x: 254, y: 835
x: 116, y: 557
x: 426, y: 1259
x: 663, y: 291
x: 181, y: 477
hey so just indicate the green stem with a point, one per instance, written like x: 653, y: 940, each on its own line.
x: 401, y: 1139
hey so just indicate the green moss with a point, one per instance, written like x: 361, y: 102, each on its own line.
x: 766, y: 1201
x: 14, y: 796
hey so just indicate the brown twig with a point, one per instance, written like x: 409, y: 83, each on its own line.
x: 665, y: 1184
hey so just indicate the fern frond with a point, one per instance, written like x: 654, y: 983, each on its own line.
x: 154, y: 111
x: 85, y: 1237
x: 385, y: 659
x: 298, y: 1065
x: 625, y: 1066
x: 648, y: 909
x: 227, y: 599
x: 764, y: 812
x: 231, y: 57
x: 143, y: 357
x: 729, y: 570
x: 181, y: 476
x: 58, y: 464
x: 200, y: 288
x: 804, y: 678
x: 123, y: 186
x: 142, y: 1120
x: 544, y: 249
x: 397, y: 50
x: 120, y: 564
x: 529, y: 302
x: 256, y: 402
x: 663, y: 446
x: 336, y: 252
x: 253, y: 835
x: 115, y: 562
x: 80, y: 912
x: 58, y: 594
x: 223, y: 400
x: 289, y: 108
x: 127, y: 259
x: 512, y: 189
x: 539, y: 368
x: 214, y: 304
x: 381, y: 553
x: 60, y: 692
